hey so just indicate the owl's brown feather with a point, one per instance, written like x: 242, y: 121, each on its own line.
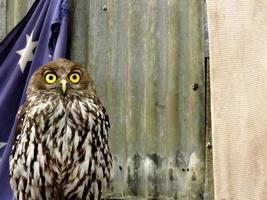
x: 61, y: 150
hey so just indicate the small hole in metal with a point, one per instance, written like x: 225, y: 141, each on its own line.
x: 105, y: 8
x: 195, y: 86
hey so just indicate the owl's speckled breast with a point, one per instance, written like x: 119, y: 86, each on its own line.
x: 62, y: 141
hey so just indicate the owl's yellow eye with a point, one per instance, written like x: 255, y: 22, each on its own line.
x: 50, y: 78
x: 74, y: 77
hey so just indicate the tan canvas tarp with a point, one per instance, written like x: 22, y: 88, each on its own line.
x: 238, y: 53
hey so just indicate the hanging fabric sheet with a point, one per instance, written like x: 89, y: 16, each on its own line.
x: 238, y: 55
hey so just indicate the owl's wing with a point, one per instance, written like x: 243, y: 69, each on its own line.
x: 106, y: 117
x: 20, y: 118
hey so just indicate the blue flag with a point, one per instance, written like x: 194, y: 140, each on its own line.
x: 40, y: 37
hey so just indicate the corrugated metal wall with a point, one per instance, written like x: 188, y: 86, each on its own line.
x: 147, y: 60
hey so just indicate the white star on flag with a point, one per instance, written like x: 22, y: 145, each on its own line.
x: 26, y: 53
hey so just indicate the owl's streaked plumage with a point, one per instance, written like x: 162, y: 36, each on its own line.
x: 61, y: 148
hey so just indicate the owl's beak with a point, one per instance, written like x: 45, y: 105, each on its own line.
x: 63, y: 83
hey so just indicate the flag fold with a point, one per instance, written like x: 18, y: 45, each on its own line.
x: 39, y: 37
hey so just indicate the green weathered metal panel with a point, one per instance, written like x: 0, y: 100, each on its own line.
x: 16, y: 10
x: 3, y: 19
x: 144, y: 56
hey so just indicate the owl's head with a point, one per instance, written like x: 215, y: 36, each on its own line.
x: 61, y: 76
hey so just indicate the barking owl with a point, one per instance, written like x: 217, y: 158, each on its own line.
x: 61, y: 149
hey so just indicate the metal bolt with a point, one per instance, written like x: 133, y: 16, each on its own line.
x: 195, y: 86
x: 209, y: 145
x: 105, y: 8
